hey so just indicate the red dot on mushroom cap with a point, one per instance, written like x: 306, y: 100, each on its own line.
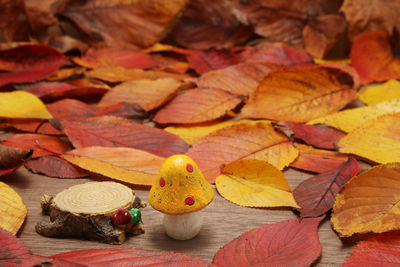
x: 189, y: 200
x: 162, y: 182
x: 189, y: 167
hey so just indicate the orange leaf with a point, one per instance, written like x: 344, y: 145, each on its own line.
x: 317, y: 160
x: 198, y: 105
x: 300, y: 94
x: 149, y: 94
x: 12, y: 209
x: 369, y: 202
x: 119, y: 74
x: 371, y: 55
x: 121, y: 163
x: 112, y: 56
x: 248, y: 140
x: 41, y: 144
x: 241, y: 79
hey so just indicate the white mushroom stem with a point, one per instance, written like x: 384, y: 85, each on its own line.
x: 184, y: 226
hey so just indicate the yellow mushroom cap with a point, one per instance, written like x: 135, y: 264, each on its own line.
x: 180, y: 187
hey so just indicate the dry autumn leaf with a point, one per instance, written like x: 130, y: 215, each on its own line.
x: 371, y: 55
x: 20, y: 104
x: 12, y: 158
x: 378, y: 250
x: 318, y: 136
x: 254, y: 183
x: 198, y: 105
x: 288, y: 243
x: 375, y: 94
x: 114, y: 131
x: 12, y: 209
x: 369, y: 202
x: 317, y: 160
x: 248, y: 140
x: 124, y: 23
x: 14, y: 252
x: 316, y: 195
x: 377, y: 139
x: 300, y: 94
x: 349, y: 119
x: 123, y: 164
x: 39, y: 143
x: 111, y: 56
x: 53, y: 166
x: 191, y: 134
x: 241, y: 79
x: 149, y: 94
x: 119, y: 74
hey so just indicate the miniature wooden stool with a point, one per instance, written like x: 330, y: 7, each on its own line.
x: 94, y: 210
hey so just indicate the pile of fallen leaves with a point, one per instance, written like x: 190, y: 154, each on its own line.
x: 235, y: 85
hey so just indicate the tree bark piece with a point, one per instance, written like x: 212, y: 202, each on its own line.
x: 85, y: 211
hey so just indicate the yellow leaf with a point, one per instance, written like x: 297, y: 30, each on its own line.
x: 20, y: 104
x: 12, y: 209
x: 350, y: 119
x: 346, y: 61
x: 255, y: 183
x: 193, y: 133
x: 377, y: 140
x: 369, y: 202
x: 124, y: 164
x: 380, y: 93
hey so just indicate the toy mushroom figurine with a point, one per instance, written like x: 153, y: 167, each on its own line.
x: 180, y: 191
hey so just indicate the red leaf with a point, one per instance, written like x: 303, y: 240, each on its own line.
x: 13, y: 252
x: 111, y: 56
x: 73, y: 109
x: 318, y: 136
x: 371, y: 55
x: 277, y: 53
x: 198, y: 105
x: 115, y: 131
x: 317, y: 160
x: 288, y: 243
x: 205, y: 61
x: 32, y: 126
x: 316, y: 195
x: 379, y: 250
x: 54, y: 167
x: 125, y: 257
x: 29, y: 63
x: 41, y: 144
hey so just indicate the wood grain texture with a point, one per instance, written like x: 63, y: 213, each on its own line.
x: 223, y: 221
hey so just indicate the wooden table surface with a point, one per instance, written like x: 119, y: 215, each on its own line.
x: 223, y: 221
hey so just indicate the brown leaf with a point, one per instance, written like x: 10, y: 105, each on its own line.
x: 40, y: 17
x: 317, y: 160
x: 114, y: 57
x: 13, y: 29
x: 241, y: 79
x: 123, y: 23
x: 70, y: 109
x: 12, y: 158
x: 288, y: 243
x: 197, y: 105
x: 247, y: 140
x: 316, y: 195
x: 322, y: 33
x: 206, y: 23
x: 54, y: 167
x: 373, y: 15
x: 149, y: 94
x: 300, y: 94
x: 120, y: 132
